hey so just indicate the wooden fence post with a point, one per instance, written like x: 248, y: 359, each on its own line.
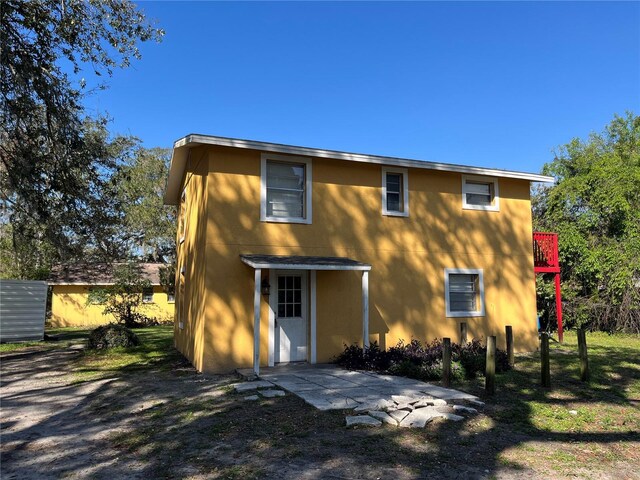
x: 582, y: 352
x: 446, y: 362
x: 544, y: 360
x: 463, y: 333
x: 490, y: 370
x: 509, y: 332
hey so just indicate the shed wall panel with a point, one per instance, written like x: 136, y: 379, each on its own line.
x: 22, y: 310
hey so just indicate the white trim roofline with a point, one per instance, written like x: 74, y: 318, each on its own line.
x: 181, y: 148
x: 304, y: 266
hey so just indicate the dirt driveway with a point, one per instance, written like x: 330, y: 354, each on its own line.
x: 53, y: 426
x: 178, y: 424
x: 166, y: 421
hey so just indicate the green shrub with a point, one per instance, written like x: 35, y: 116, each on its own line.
x: 422, y: 362
x: 473, y: 358
x: 405, y: 368
x: 352, y: 358
x: 111, y: 336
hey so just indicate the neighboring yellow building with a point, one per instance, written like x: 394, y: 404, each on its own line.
x: 288, y: 253
x: 71, y: 284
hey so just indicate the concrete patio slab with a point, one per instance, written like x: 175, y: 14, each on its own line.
x: 328, y: 387
x: 254, y: 385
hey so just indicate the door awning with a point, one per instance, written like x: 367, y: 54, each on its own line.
x: 296, y: 262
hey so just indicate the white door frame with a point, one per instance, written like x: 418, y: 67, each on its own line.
x: 310, y: 312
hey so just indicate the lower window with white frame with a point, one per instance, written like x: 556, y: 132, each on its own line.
x: 464, y: 292
x: 147, y: 295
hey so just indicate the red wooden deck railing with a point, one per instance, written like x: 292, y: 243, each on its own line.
x: 546, y: 260
x: 545, y: 252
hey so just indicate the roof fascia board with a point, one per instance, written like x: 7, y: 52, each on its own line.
x: 194, y: 139
x: 304, y: 266
x: 176, y: 172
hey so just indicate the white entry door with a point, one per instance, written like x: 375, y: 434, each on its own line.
x: 290, y: 311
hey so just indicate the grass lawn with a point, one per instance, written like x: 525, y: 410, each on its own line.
x: 571, y: 430
x: 155, y: 352
x: 60, y: 338
x: 573, y: 427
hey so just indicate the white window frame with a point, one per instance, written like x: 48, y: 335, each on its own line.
x: 495, y: 207
x: 464, y: 271
x: 264, y: 158
x: 152, y: 295
x: 405, y: 191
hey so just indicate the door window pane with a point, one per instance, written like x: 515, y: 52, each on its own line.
x: 289, y: 296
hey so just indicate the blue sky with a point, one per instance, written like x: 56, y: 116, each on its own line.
x: 490, y: 84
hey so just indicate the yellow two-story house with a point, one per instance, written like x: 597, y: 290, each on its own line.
x: 287, y: 254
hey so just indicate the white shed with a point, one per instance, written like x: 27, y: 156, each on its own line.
x: 22, y: 310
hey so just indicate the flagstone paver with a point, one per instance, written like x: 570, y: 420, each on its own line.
x: 417, y: 418
x: 390, y: 399
x: 398, y: 415
x: 271, y: 393
x: 383, y: 417
x: 362, y: 420
x: 463, y: 409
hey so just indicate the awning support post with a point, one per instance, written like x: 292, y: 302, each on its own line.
x: 365, y: 309
x: 256, y: 321
x: 314, y: 328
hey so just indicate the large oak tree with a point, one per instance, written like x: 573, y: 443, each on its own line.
x: 56, y: 164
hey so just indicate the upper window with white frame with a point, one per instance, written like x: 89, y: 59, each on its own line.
x: 480, y: 193
x: 464, y: 292
x: 285, y: 194
x: 395, y: 192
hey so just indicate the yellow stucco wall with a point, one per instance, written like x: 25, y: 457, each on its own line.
x: 69, y: 307
x: 191, y: 261
x: 408, y: 257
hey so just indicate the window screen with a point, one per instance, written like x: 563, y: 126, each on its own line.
x: 285, y: 190
x: 479, y: 193
x: 395, y: 195
x: 463, y: 292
